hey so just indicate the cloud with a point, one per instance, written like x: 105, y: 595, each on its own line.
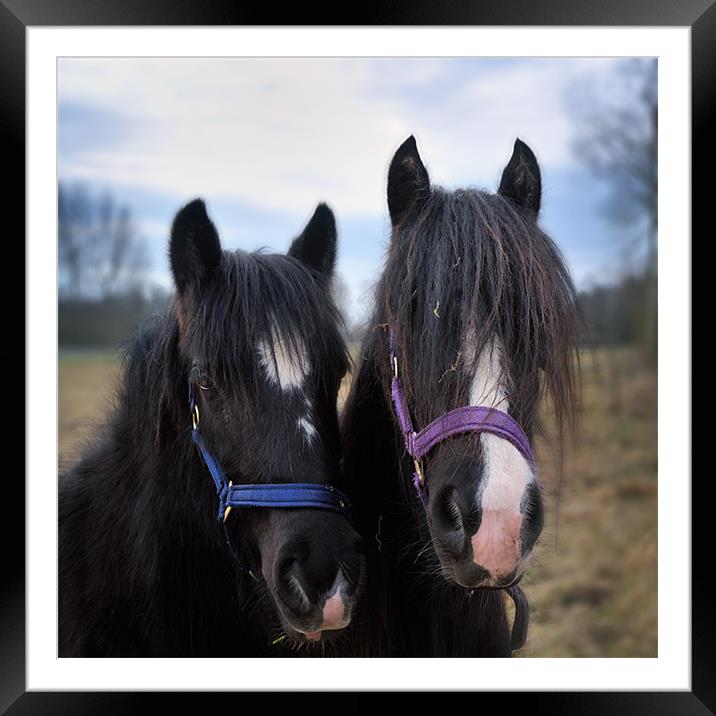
x: 263, y: 140
x: 467, y: 136
x: 285, y: 133
x: 277, y: 133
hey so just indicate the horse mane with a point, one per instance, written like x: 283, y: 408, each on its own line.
x: 473, y: 264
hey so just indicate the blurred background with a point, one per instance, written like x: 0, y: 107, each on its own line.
x: 264, y: 140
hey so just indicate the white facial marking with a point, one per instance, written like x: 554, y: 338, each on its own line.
x: 305, y: 423
x: 288, y: 369
x: 507, y: 473
x: 335, y: 614
x: 308, y: 429
x: 486, y: 388
x: 284, y: 367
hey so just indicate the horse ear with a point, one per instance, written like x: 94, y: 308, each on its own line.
x: 316, y: 246
x: 194, y: 247
x: 521, y: 181
x: 408, y: 180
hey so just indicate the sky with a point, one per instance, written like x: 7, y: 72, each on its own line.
x: 263, y: 140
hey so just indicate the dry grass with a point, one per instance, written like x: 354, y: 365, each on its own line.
x: 592, y: 584
x: 86, y: 386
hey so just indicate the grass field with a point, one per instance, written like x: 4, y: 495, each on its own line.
x: 592, y: 583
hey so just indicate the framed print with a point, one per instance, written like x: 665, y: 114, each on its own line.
x: 369, y: 343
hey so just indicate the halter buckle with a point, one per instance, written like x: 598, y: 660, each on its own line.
x: 227, y: 511
x: 395, y: 366
x: 419, y: 472
x: 195, y: 416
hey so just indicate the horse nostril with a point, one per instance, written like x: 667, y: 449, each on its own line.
x: 291, y: 585
x: 532, y: 511
x: 450, y: 520
x: 451, y: 516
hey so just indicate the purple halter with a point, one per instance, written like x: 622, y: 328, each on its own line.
x: 469, y: 419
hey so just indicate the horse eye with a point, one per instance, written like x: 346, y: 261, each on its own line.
x: 205, y: 383
x: 202, y: 378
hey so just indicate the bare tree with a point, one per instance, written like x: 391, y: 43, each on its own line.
x: 73, y: 217
x: 617, y: 140
x: 100, y: 250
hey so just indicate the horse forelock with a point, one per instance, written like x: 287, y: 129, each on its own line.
x: 467, y: 272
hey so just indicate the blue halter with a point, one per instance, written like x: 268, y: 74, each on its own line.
x: 285, y: 495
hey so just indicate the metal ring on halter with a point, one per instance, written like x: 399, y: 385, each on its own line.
x: 195, y: 416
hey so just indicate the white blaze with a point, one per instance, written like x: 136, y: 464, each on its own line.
x: 486, y: 388
x: 287, y: 369
x: 507, y: 473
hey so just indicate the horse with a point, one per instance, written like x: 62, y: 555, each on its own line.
x: 235, y: 383
x: 475, y: 319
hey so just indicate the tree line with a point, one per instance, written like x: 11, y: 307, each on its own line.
x: 617, y: 140
x: 105, y: 293
x: 103, y: 285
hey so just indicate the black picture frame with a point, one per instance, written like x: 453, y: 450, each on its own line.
x: 17, y: 15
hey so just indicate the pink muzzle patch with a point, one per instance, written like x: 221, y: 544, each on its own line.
x: 496, y: 544
x: 333, y: 611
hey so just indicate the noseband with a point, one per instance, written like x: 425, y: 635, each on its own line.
x: 283, y: 495
x: 468, y: 419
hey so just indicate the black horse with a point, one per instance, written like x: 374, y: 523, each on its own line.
x: 478, y: 309
x: 145, y: 568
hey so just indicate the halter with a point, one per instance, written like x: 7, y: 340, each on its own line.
x: 283, y: 495
x: 468, y: 419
